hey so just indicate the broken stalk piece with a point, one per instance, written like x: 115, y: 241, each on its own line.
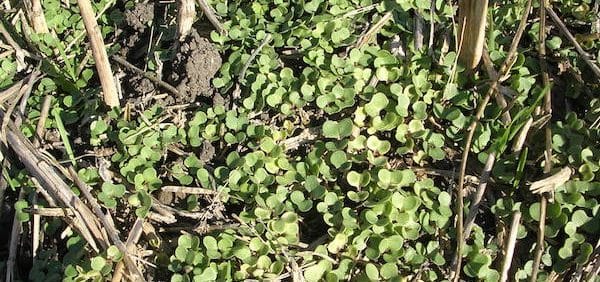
x: 471, y: 19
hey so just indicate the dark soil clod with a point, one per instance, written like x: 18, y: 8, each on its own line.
x: 193, y: 68
x: 139, y: 17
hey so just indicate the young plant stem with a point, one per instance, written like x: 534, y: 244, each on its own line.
x: 504, y: 70
x: 109, y: 88
x: 64, y: 135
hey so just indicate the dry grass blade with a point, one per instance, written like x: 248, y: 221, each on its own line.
x: 20, y: 53
x: 35, y: 244
x: 41, y: 124
x: 111, y: 96
x: 522, y: 136
x: 489, y: 67
x: 472, y: 16
x: 307, y: 135
x: 539, y: 248
x: 11, y: 91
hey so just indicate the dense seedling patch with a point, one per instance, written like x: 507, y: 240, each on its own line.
x: 326, y: 147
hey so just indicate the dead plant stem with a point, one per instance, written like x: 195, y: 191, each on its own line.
x: 510, y: 246
x: 504, y: 69
x: 563, y: 28
x: 539, y: 247
x: 109, y: 87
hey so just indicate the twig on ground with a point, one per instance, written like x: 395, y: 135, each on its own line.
x: 504, y: 70
x: 492, y: 74
x: 132, y: 238
x: 307, y: 135
x: 539, y: 247
x: 481, y: 188
x: 160, y: 217
x: 80, y: 35
x: 510, y: 246
x: 216, y: 227
x: 3, y: 180
x: 444, y: 173
x: 549, y: 183
x: 20, y: 53
x: 35, y: 230
x: 45, y: 194
x: 584, y: 55
x: 365, y: 38
x: 111, y: 96
x: 522, y: 136
x: 188, y: 190
x: 158, y: 206
x: 40, y: 129
x: 49, y: 179
x: 35, y: 76
x: 147, y: 75
x: 49, y: 212
x: 253, y: 55
x: 11, y: 91
x: 211, y: 15
x: 24, y: 90
x: 237, y: 92
x: 14, y: 241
